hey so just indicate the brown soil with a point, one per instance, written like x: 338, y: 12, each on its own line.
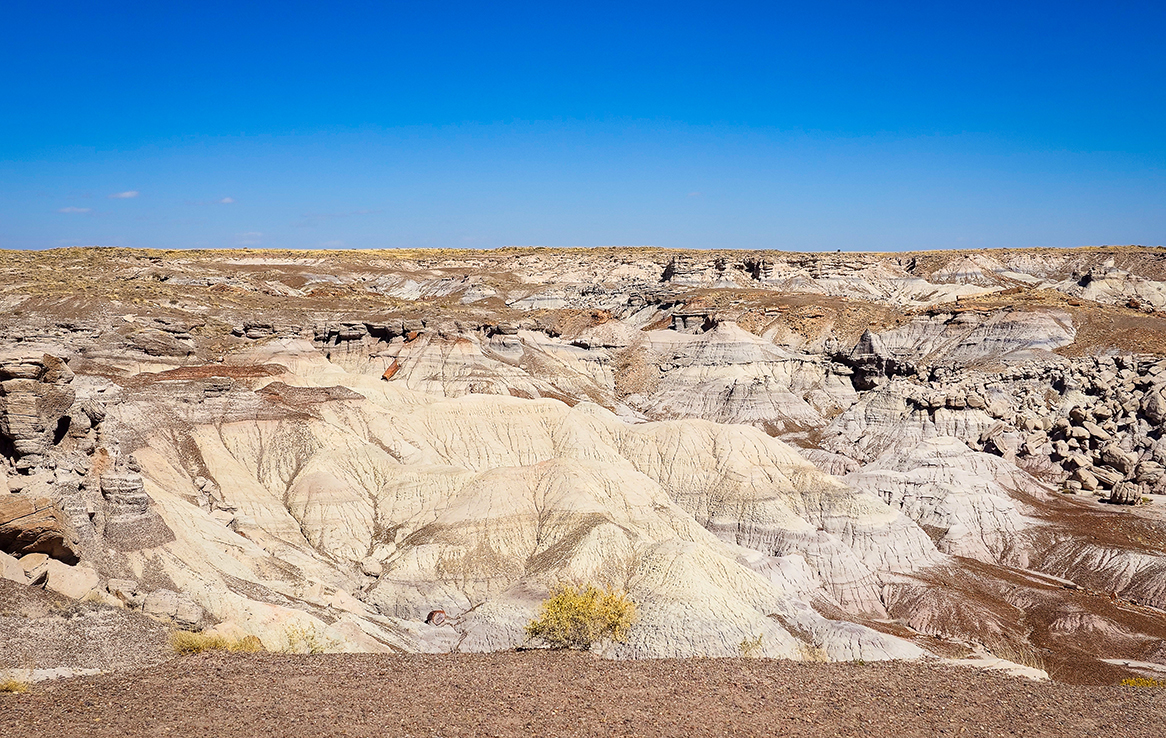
x: 1102, y: 327
x: 553, y: 694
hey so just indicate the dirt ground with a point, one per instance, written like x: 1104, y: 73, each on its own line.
x: 40, y: 629
x: 567, y: 694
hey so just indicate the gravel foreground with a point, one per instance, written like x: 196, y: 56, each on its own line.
x: 567, y: 694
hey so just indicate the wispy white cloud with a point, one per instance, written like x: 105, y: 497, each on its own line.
x: 226, y: 201
x: 250, y: 238
x: 124, y: 195
x: 71, y: 209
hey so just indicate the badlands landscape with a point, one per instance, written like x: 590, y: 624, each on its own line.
x: 826, y: 457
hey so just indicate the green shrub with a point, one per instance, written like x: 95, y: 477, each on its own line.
x: 576, y: 617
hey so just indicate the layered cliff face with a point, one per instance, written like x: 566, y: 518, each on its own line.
x: 850, y: 456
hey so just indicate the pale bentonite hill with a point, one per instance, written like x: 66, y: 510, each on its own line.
x: 825, y: 457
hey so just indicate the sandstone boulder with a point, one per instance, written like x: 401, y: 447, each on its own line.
x: 167, y: 604
x: 56, y: 371
x: 21, y: 367
x: 371, y: 567
x: 158, y: 343
x: 1154, y: 408
x: 1108, y: 477
x: 1124, y: 493
x: 1119, y: 459
x: 1149, y: 472
x: 998, y: 409
x: 71, y: 581
x: 1086, y: 479
x: 36, y: 525
x: 11, y: 569
x: 35, y: 567
x: 1096, y: 431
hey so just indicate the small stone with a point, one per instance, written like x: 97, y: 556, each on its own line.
x: 371, y: 567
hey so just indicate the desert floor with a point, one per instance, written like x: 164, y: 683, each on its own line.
x: 556, y: 693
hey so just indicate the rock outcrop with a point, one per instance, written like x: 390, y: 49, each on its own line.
x: 130, y: 522
x: 34, y: 401
x: 36, y: 525
x: 840, y: 456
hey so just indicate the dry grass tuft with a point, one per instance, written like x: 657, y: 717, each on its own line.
x: 1143, y: 682
x: 184, y: 642
x: 1022, y: 653
x: 307, y: 640
x: 750, y: 648
x: 576, y: 617
x: 813, y: 654
x: 13, y: 686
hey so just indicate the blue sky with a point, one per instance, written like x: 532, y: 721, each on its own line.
x: 705, y: 125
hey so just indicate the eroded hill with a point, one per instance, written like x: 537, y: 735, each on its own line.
x: 850, y: 456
